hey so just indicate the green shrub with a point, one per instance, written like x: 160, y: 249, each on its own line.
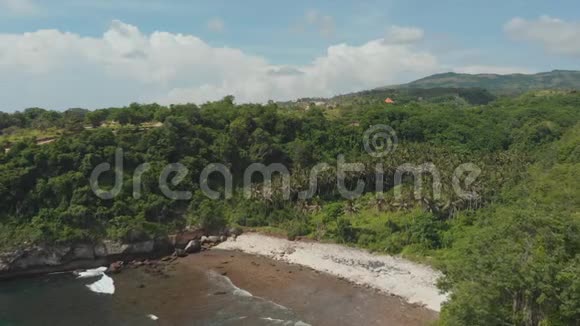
x: 210, y: 216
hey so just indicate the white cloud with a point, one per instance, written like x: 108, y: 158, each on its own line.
x: 500, y: 70
x: 342, y: 69
x: 216, y: 25
x: 555, y: 35
x: 19, y: 7
x: 54, y: 69
x: 323, y: 24
x: 57, y: 69
x: 399, y: 34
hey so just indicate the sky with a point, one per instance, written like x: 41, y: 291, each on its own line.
x: 60, y: 54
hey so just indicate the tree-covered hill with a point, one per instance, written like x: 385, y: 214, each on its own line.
x: 454, y: 87
x: 400, y: 96
x: 501, y: 84
x: 448, y: 95
x: 510, y: 255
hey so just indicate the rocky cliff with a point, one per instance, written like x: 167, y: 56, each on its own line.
x: 40, y: 259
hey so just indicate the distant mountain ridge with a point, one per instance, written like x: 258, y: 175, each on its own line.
x: 499, y: 84
x: 475, y: 89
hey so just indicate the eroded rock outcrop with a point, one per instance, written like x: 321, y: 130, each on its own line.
x: 39, y: 259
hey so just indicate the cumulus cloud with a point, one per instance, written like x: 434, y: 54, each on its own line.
x: 284, y: 71
x: 216, y: 25
x: 56, y: 69
x: 19, y: 7
x: 555, y: 35
x: 343, y: 68
x: 400, y: 34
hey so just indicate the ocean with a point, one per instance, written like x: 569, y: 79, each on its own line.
x: 215, y: 287
x: 208, y: 298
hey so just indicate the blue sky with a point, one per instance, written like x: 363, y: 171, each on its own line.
x: 305, y: 37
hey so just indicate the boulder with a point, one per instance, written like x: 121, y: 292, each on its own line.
x: 214, y: 239
x: 116, y: 267
x: 180, y: 240
x: 234, y: 231
x: 179, y: 253
x: 194, y: 246
x: 223, y: 238
x: 113, y: 248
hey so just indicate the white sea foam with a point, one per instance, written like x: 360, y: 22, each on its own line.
x: 92, y: 272
x: 104, y: 285
x: 284, y: 322
x: 273, y: 319
x: 242, y: 293
x: 225, y: 283
x: 228, y: 282
x: 152, y: 317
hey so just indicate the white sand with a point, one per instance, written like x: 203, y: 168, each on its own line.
x: 411, y: 281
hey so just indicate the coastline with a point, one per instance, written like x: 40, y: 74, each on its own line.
x: 313, y: 297
x: 413, y: 282
x: 265, y: 279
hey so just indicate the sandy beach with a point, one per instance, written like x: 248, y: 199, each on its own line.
x: 254, y: 280
x: 317, y: 298
x: 413, y: 282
